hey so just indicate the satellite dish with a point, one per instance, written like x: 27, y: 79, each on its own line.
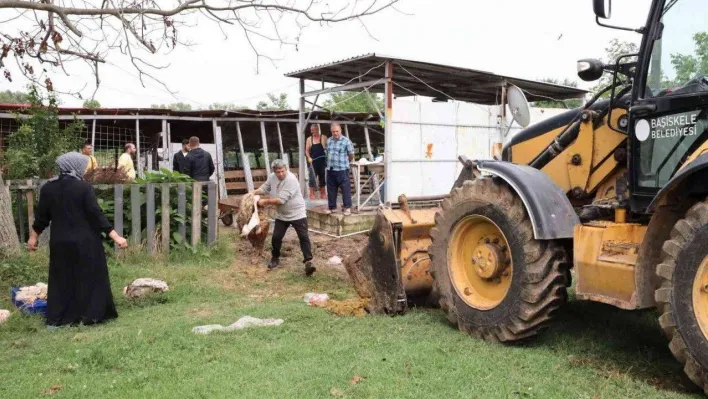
x: 518, y: 105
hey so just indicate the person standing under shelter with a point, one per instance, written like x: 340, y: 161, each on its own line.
x: 198, y: 163
x: 125, y: 162
x: 315, y: 151
x: 87, y: 149
x: 178, y: 160
x: 283, y: 190
x: 340, y: 151
x: 79, y: 288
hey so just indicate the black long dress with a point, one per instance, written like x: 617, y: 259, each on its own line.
x: 79, y: 288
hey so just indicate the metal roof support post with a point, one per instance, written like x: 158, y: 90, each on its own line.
x: 368, y: 143
x: 221, y: 180
x: 165, y: 145
x: 301, y: 138
x: 169, y: 146
x: 280, y: 142
x: 346, y: 130
x: 137, y: 148
x: 244, y: 159
x: 502, y: 112
x: 266, y: 157
x: 93, y: 135
x: 388, y: 103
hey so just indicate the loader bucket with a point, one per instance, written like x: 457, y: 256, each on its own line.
x: 393, y: 267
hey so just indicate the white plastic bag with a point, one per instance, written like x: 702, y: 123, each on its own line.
x: 255, y: 220
x: 240, y: 324
x: 4, y: 315
x: 312, y: 298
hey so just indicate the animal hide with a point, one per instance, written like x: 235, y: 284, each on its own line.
x: 245, y: 211
x: 144, y: 286
x: 253, y: 222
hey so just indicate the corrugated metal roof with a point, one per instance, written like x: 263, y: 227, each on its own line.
x: 433, y: 80
x: 11, y: 108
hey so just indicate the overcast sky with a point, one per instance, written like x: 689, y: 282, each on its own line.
x: 521, y: 38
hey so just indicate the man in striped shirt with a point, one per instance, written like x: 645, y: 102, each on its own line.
x: 340, y: 151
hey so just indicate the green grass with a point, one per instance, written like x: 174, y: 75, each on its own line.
x: 593, y: 351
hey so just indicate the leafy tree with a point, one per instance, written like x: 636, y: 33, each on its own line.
x: 613, y: 51
x: 180, y: 106
x: 354, y: 102
x: 92, y: 104
x: 572, y: 103
x: 275, y: 103
x: 688, y: 67
x: 226, y: 107
x: 13, y: 97
x: 60, y: 33
x: 40, y: 139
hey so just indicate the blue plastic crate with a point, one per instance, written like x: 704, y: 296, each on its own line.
x: 38, y: 307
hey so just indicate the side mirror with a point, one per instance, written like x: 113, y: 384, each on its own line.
x: 603, y: 8
x: 590, y: 70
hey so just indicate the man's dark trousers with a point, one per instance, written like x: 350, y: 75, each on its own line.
x: 336, y: 179
x: 279, y: 230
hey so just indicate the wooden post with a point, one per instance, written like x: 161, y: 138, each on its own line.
x: 182, y: 210
x: 30, y: 207
x: 165, y: 211
x: 346, y: 130
x: 196, y: 213
x: 21, y: 214
x: 211, y: 214
x: 118, y: 210
x: 136, y: 233
x: 150, y: 194
x: 265, y: 148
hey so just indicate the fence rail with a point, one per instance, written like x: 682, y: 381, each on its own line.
x: 152, y: 215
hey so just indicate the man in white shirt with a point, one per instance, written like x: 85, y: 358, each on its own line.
x: 283, y: 190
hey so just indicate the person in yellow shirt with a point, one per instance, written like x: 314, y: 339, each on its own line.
x: 125, y: 162
x: 87, y: 149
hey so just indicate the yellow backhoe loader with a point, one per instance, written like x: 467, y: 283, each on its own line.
x: 616, y: 190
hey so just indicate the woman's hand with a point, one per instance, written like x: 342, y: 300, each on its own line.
x: 32, y: 244
x: 120, y: 241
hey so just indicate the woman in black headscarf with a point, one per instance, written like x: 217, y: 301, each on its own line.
x: 79, y: 288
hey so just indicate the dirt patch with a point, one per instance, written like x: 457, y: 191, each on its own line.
x: 249, y: 275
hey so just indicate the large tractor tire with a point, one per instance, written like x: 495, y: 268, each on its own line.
x: 495, y: 281
x: 682, y: 298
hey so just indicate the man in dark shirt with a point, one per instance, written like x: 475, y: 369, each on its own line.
x: 198, y: 163
x: 178, y: 161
